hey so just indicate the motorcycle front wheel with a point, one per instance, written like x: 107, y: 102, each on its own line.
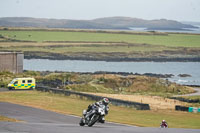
x: 81, y: 123
x: 93, y: 120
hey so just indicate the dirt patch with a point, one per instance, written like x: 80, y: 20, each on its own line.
x: 155, y: 102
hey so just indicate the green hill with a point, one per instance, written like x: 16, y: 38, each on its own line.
x: 100, y: 23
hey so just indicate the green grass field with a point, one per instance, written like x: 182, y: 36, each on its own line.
x: 172, y: 40
x: 73, y: 105
x: 192, y: 97
x: 107, y: 46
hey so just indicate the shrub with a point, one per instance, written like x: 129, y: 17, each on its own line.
x: 5, y: 28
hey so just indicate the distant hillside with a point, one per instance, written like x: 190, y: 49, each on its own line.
x: 101, y: 23
x: 191, y: 23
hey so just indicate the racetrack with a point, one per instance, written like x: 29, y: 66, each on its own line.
x: 196, y: 93
x: 42, y: 121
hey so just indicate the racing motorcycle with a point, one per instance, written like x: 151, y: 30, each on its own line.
x: 163, y: 125
x: 93, y: 116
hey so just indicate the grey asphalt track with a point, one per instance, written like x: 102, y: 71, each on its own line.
x: 42, y: 121
x: 4, y: 89
x: 196, y: 93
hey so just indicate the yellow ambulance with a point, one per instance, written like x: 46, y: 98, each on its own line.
x: 22, y: 83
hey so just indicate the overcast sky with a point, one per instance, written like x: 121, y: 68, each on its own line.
x: 181, y: 10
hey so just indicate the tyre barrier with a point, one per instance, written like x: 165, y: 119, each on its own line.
x: 117, y: 102
x: 181, y: 108
x: 194, y: 109
x: 186, y: 100
x: 188, y: 109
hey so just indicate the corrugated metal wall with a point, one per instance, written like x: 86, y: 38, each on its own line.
x: 20, y: 59
x: 12, y: 62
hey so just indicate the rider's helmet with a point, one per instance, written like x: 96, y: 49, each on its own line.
x: 163, y: 121
x: 105, y: 101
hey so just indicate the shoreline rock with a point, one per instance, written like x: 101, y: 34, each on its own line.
x: 184, y: 75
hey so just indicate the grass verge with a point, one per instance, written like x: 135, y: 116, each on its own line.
x: 74, y: 105
x: 4, y: 118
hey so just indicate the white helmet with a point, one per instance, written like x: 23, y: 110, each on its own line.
x: 105, y: 101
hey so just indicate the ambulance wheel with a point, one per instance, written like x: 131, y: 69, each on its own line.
x: 11, y: 88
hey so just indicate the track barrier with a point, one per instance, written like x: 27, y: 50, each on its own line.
x: 188, y: 109
x: 186, y: 100
x: 117, y: 102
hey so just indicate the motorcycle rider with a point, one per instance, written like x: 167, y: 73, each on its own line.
x: 164, y: 124
x: 105, y: 102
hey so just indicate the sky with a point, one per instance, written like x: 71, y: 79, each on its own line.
x: 180, y: 10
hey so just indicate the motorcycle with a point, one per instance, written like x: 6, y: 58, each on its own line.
x: 93, y: 116
x: 163, y: 125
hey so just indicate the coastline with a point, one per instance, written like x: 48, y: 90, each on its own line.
x: 54, y: 56
x: 153, y: 75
